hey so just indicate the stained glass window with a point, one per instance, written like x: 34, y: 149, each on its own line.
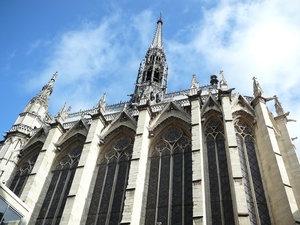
x: 58, y: 191
x: 169, y: 199
x: 22, y: 174
x: 109, y: 192
x: 219, y: 181
x: 253, y: 186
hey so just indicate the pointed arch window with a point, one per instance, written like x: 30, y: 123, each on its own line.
x: 253, y: 186
x: 219, y: 182
x: 21, y: 177
x: 109, y: 191
x: 169, y: 199
x: 58, y: 191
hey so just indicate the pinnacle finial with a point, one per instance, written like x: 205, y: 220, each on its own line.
x: 194, y: 83
x: 278, y: 106
x: 223, y: 82
x: 102, y: 102
x: 63, y: 113
x: 257, y: 90
x: 222, y: 76
x: 194, y: 86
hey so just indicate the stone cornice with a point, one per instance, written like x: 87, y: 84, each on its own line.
x: 99, y: 116
x: 225, y: 93
x: 17, y: 133
x: 58, y: 125
x: 197, y: 96
x: 147, y: 107
x: 20, y: 128
x: 282, y: 117
x: 257, y: 100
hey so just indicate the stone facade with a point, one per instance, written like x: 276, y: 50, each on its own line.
x: 204, y: 155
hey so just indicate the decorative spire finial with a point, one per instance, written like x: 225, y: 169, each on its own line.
x: 52, y: 80
x: 53, y: 77
x: 157, y: 40
x: 257, y: 90
x: 46, y: 91
x: 48, y: 88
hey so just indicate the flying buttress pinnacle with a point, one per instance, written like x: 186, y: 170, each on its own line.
x: 257, y: 90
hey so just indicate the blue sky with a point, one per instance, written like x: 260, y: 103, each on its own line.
x: 96, y: 47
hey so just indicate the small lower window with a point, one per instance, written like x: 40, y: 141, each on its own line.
x: 8, y: 215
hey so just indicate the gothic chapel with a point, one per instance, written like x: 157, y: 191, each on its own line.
x: 204, y: 155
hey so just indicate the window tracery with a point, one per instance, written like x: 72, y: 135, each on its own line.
x: 22, y: 175
x: 58, y: 190
x: 109, y: 191
x: 255, y: 196
x: 219, y: 181
x: 169, y: 199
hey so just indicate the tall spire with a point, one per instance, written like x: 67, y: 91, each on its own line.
x: 39, y: 104
x: 157, y: 40
x: 48, y: 88
x: 35, y: 112
x: 151, y: 82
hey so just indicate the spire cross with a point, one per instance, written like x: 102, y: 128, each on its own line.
x: 55, y: 75
x: 157, y: 40
x: 51, y: 82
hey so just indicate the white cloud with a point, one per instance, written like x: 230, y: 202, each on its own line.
x: 95, y: 59
x: 264, y: 44
x: 246, y: 39
x: 142, y: 23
